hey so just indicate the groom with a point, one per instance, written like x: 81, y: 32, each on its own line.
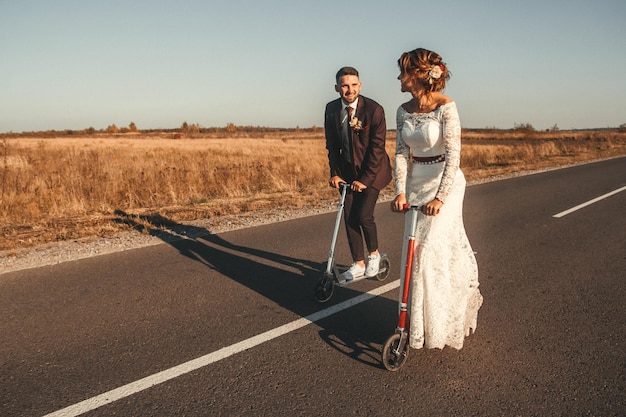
x: 355, y: 139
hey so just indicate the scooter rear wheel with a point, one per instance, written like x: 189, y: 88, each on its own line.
x: 383, y: 269
x: 394, y: 355
x: 324, y: 289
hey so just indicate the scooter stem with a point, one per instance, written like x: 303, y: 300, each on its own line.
x: 408, y: 269
x: 340, y: 205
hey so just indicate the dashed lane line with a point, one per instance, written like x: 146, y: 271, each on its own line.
x: 588, y: 203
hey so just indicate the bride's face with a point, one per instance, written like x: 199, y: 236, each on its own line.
x: 406, y: 85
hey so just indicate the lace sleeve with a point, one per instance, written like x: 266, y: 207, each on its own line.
x: 452, y: 143
x: 403, y: 152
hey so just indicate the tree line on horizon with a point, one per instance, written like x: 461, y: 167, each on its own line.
x: 185, y: 129
x: 191, y: 130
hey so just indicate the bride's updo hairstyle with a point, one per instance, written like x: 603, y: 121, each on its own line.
x: 424, y: 67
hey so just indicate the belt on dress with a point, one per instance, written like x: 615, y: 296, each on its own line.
x: 429, y: 159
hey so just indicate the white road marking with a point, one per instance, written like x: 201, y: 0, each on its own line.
x: 595, y: 200
x: 192, y: 365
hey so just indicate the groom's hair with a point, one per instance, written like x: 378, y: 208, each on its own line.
x: 345, y: 71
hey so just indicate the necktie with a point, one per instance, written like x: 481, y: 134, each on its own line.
x: 346, y: 136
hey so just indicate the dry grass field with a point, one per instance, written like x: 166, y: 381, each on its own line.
x: 74, y: 186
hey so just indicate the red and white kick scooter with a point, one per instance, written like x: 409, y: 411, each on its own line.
x: 396, y: 349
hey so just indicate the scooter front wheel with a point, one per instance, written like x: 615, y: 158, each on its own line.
x: 324, y: 289
x: 395, y: 352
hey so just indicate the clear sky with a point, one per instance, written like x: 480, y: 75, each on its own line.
x: 91, y: 63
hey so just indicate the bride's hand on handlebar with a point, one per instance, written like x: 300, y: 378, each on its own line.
x: 398, y: 203
x: 432, y: 208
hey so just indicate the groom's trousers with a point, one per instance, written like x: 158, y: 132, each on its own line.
x: 359, y: 221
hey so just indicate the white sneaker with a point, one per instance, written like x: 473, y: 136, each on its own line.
x: 355, y: 271
x: 373, y: 264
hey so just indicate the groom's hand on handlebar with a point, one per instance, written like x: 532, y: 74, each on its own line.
x: 357, y: 186
x: 336, y: 181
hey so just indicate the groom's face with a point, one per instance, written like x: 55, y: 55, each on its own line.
x: 348, y: 88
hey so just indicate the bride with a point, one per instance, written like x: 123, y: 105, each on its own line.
x: 444, y: 298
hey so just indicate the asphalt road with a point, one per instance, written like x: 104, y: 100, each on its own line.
x: 227, y: 324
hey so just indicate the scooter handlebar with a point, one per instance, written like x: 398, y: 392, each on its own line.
x: 342, y: 184
x: 406, y: 207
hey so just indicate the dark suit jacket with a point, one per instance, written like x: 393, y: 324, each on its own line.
x: 370, y: 162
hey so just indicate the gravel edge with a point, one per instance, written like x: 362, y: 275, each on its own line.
x: 64, y: 251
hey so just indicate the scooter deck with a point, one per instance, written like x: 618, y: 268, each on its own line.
x: 352, y: 281
x: 337, y: 275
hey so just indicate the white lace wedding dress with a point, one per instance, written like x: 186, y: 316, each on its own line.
x: 444, y: 299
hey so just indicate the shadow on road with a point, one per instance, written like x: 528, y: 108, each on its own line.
x: 176, y: 234
x: 286, y: 280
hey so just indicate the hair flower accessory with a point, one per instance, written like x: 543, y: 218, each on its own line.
x: 356, y: 124
x: 436, y: 71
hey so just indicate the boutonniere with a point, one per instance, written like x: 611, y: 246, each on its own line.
x: 356, y: 124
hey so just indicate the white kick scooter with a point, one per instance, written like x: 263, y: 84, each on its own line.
x: 326, y: 285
